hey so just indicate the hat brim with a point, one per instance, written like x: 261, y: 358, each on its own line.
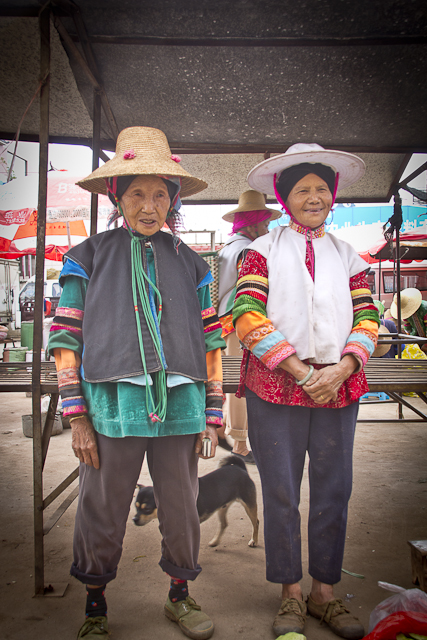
x: 381, y: 349
x: 229, y: 217
x: 350, y: 167
x: 408, y: 309
x: 116, y: 167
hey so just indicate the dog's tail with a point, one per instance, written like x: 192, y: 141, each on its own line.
x: 230, y: 460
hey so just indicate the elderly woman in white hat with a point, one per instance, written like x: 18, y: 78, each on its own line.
x: 134, y: 338
x: 306, y: 318
x: 250, y: 221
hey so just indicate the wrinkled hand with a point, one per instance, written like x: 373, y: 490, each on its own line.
x: 210, y: 433
x: 83, y: 442
x: 323, y: 387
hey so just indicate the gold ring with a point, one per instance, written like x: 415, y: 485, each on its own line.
x: 322, y: 398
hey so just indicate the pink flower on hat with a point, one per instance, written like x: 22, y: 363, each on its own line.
x: 175, y: 158
x: 128, y: 155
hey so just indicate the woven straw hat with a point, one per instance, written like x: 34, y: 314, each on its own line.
x: 388, y: 316
x: 410, y: 300
x: 381, y: 349
x: 251, y: 201
x: 142, y: 151
x: 350, y: 167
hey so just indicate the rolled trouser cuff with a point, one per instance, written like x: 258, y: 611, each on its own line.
x: 237, y: 434
x: 179, y: 572
x: 87, y: 578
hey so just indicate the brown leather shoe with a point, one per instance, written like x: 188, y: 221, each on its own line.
x: 291, y: 617
x: 338, y: 617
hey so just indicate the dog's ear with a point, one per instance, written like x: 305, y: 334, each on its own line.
x: 140, y: 486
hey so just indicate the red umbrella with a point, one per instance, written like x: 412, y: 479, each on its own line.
x: 413, y: 246
x: 58, y: 234
x: 67, y: 206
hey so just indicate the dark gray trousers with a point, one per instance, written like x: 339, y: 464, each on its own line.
x: 106, y: 495
x: 280, y: 436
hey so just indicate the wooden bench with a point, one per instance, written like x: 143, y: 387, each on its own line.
x: 391, y: 376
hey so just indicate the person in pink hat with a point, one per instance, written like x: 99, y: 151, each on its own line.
x: 250, y: 221
x: 305, y: 315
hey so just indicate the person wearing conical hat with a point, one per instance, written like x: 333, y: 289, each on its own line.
x: 413, y: 312
x: 250, y: 221
x: 134, y: 338
x: 305, y: 316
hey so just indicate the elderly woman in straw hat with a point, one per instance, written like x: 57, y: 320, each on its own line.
x: 137, y: 346
x: 250, y: 221
x: 305, y: 316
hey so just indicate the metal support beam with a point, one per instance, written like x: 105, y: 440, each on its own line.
x: 89, y: 74
x: 44, y: 24
x: 95, y: 158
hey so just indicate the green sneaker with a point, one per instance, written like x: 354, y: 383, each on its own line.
x: 94, y: 628
x: 192, y: 621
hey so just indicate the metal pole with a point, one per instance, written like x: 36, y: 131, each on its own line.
x: 95, y: 158
x: 44, y: 23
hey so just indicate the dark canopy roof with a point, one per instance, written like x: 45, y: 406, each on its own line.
x: 229, y: 82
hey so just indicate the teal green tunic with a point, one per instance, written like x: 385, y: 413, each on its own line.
x: 119, y: 409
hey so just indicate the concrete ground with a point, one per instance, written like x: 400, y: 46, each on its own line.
x: 388, y: 507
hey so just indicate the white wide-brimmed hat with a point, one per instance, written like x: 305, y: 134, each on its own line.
x: 251, y: 201
x: 350, y: 167
x: 410, y: 300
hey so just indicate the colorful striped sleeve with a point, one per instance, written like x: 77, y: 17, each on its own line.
x: 363, y: 338
x: 66, y: 344
x: 253, y: 328
x: 214, y: 343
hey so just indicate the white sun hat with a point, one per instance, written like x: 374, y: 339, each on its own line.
x: 350, y: 167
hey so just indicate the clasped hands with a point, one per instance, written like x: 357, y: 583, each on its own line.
x: 324, y: 383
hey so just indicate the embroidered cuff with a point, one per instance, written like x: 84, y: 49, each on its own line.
x: 74, y: 406
x: 72, y: 398
x: 359, y: 352
x: 214, y: 417
x: 278, y: 352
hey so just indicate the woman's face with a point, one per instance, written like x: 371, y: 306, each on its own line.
x: 310, y: 201
x: 146, y: 204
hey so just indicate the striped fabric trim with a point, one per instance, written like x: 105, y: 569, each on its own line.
x: 357, y: 349
x: 214, y: 388
x: 318, y: 233
x: 247, y: 303
x: 252, y: 285
x: 68, y: 319
x: 73, y: 406
x: 213, y: 419
x: 279, y: 352
x: 210, y: 320
x: 255, y: 336
x: 68, y: 378
x: 214, y: 396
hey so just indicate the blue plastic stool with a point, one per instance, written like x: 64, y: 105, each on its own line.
x: 375, y: 394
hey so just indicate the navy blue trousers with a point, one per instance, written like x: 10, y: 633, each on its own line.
x: 280, y: 436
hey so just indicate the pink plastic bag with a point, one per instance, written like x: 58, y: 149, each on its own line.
x: 403, y: 600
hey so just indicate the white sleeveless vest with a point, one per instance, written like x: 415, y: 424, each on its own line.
x: 316, y: 318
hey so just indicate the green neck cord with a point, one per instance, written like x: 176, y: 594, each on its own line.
x: 140, y: 285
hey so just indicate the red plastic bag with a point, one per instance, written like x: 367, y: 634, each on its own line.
x: 402, y: 600
x: 399, y: 622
